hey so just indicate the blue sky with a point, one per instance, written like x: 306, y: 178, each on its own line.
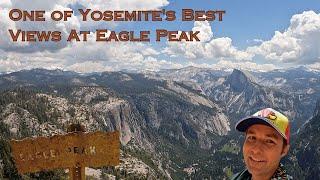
x: 254, y: 34
x: 251, y: 19
x: 243, y: 21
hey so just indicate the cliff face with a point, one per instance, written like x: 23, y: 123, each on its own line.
x: 305, y: 152
x: 243, y: 96
x: 291, y: 91
x: 241, y: 93
x: 149, y: 114
x: 174, y: 120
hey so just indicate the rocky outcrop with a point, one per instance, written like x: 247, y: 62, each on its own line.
x: 305, y: 152
x: 149, y: 114
x: 243, y: 96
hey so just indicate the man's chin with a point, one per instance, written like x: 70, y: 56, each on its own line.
x: 256, y: 167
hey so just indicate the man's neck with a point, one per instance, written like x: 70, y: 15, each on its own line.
x: 261, y: 177
x: 266, y: 176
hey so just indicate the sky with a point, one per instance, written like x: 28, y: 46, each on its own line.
x: 254, y: 35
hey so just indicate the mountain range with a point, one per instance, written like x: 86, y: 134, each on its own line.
x: 174, y: 124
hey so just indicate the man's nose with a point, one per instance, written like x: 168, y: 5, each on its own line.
x: 257, y: 147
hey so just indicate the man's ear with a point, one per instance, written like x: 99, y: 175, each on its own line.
x: 285, y: 150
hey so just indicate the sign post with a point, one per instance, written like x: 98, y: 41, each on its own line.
x: 75, y: 151
x: 77, y: 172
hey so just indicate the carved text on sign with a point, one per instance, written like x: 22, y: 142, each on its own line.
x: 53, y: 153
x: 64, y: 151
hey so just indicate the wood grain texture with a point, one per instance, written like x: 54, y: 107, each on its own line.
x: 66, y: 151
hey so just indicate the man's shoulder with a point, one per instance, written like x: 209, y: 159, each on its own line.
x: 243, y: 175
x: 281, y: 173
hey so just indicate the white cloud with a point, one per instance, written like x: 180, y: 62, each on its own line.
x: 113, y: 52
x: 150, y: 52
x: 229, y: 66
x: 79, y: 56
x: 8, y: 65
x: 5, y: 4
x: 258, y: 40
x: 128, y: 5
x: 75, y: 22
x: 90, y: 56
x: 36, y: 4
x: 204, y: 27
x: 98, y: 5
x: 124, y: 4
x: 314, y: 66
x: 154, y: 64
x: 255, y: 41
x: 7, y: 24
x: 89, y: 66
x: 147, y: 63
x: 10, y: 62
x: 246, y: 65
x: 208, y: 48
x: 298, y: 44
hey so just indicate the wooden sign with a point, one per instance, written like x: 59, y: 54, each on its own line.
x: 66, y: 151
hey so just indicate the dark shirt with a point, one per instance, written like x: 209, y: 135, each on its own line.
x: 279, y: 174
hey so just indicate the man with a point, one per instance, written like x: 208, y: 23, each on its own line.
x: 267, y: 135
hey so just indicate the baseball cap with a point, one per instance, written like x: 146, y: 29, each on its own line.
x: 269, y: 117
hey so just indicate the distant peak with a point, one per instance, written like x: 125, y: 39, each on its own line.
x: 241, y: 76
x: 240, y: 79
x: 49, y: 71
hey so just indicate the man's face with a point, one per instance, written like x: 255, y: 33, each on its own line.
x: 262, y: 150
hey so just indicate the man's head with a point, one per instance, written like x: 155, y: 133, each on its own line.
x: 266, y: 141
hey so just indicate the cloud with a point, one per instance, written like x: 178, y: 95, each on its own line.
x: 298, y: 44
x: 314, y: 66
x: 101, y: 5
x: 122, y: 4
x: 75, y: 22
x: 246, y: 65
x: 204, y: 27
x: 258, y: 40
x: 79, y: 56
x: 8, y: 65
x: 10, y: 62
x: 49, y: 25
x: 208, y: 48
x: 89, y: 66
x: 5, y: 24
x: 229, y: 66
x: 128, y: 5
x: 254, y: 42
x: 112, y: 52
x: 5, y: 4
x: 90, y: 56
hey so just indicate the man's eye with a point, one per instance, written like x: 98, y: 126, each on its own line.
x: 251, y: 138
x: 269, y: 141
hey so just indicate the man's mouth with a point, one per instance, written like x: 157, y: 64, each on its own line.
x: 256, y: 159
